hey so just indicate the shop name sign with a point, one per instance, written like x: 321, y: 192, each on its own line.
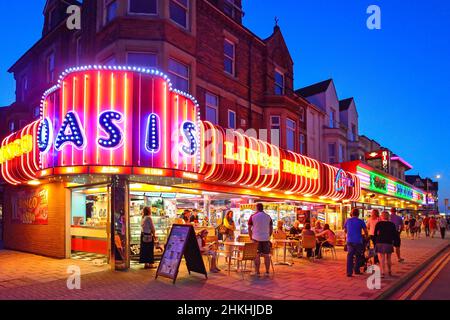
x: 266, y: 161
x: 343, y: 180
x: 378, y: 183
x: 16, y: 148
x: 403, y: 191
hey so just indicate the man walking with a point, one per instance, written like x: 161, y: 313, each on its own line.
x: 398, y: 221
x: 426, y: 225
x: 260, y: 229
x: 355, y: 245
x: 442, y: 226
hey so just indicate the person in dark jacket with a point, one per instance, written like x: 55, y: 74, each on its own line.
x: 385, y: 237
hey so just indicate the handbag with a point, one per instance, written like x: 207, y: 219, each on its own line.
x: 222, y: 229
x: 147, y: 237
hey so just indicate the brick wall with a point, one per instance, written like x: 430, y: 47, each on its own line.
x: 47, y: 240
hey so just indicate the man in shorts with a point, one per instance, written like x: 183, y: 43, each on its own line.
x: 260, y: 229
x: 399, y: 226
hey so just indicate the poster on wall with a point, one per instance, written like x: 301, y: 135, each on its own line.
x: 30, y: 207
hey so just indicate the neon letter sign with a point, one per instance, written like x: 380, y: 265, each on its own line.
x: 44, y: 136
x: 106, y: 121
x: 152, y: 143
x: 71, y: 132
x: 188, y: 130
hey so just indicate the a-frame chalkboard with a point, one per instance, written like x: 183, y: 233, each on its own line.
x: 181, y: 242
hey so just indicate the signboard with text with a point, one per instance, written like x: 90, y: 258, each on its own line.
x: 30, y: 207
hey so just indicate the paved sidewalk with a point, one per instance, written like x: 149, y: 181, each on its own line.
x: 24, y: 276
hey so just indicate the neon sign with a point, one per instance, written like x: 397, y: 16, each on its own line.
x: 16, y: 148
x: 106, y: 121
x: 342, y: 180
x: 300, y: 170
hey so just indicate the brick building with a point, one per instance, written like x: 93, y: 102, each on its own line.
x: 239, y: 79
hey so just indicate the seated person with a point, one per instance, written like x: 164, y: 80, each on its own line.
x: 308, y: 232
x: 328, y: 239
x: 279, y: 233
x: 318, y: 228
x: 206, y: 249
x: 295, y: 231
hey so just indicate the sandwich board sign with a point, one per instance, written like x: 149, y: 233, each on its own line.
x: 181, y: 242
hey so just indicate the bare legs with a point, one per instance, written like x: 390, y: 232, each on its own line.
x: 385, y: 261
x: 266, y: 262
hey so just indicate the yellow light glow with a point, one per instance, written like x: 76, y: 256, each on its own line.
x: 266, y: 189
x: 34, y: 182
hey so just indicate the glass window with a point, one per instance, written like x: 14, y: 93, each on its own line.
x: 179, y: 75
x: 279, y: 83
x: 179, y: 12
x: 290, y: 134
x: 331, y: 118
x: 302, y: 144
x: 275, y: 130
x: 12, y: 126
x: 229, y: 52
x: 142, y: 59
x: 331, y: 153
x: 24, y: 87
x: 353, y: 133
x: 212, y: 106
x: 143, y: 6
x: 110, y: 10
x: 341, y: 153
x: 231, y: 119
x: 50, y: 67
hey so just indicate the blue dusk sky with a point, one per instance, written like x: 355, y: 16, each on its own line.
x: 399, y: 75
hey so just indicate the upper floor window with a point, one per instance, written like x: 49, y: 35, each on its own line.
x: 180, y: 75
x: 229, y: 56
x: 110, y: 10
x: 143, y: 6
x: 179, y: 10
x: 341, y: 153
x: 275, y: 122
x: 353, y: 133
x: 23, y: 88
x: 302, y: 115
x: 331, y: 153
x: 12, y: 126
x: 231, y: 119
x: 290, y: 134
x: 142, y: 59
x: 50, y: 67
x: 78, y: 50
x: 212, y: 108
x: 331, y: 118
x: 302, y: 144
x: 279, y: 83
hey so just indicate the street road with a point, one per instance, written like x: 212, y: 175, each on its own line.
x: 430, y: 284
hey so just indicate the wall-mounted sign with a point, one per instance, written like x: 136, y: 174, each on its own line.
x: 30, y: 207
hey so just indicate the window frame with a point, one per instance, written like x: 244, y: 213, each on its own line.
x: 106, y: 3
x: 283, y: 87
x: 235, y: 119
x: 302, y: 143
x: 292, y: 130
x: 187, y: 10
x: 178, y: 75
x: 129, y: 12
x: 210, y: 106
x: 233, y: 59
x: 331, y: 115
x: 142, y: 52
x: 329, y: 153
x: 23, y: 88
x: 50, y: 74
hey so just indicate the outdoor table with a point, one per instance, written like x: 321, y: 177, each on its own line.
x: 233, y: 244
x: 285, y: 242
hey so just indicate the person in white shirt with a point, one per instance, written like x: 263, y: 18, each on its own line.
x: 371, y: 224
x: 260, y: 229
x: 442, y: 226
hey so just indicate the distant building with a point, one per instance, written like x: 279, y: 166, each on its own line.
x: 429, y: 186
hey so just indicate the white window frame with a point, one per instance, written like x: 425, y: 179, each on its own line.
x: 292, y: 129
x: 186, y: 8
x: 181, y: 76
x: 235, y: 119
x: 283, y: 87
x: 233, y: 59
x: 142, y: 13
x: 215, y: 107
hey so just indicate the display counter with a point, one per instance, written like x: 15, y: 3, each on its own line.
x: 89, y: 239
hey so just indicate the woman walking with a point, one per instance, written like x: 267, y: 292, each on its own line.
x: 385, y: 236
x: 147, y: 239
x: 433, y: 226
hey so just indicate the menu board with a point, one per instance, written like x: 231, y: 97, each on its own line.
x: 181, y: 242
x: 30, y: 207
